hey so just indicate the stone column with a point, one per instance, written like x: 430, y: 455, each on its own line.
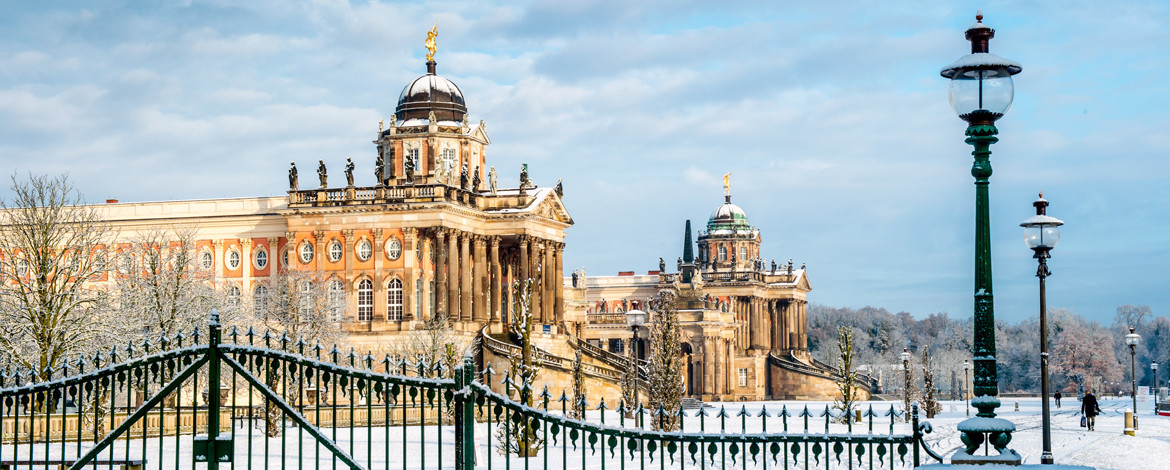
x: 427, y: 274
x: 246, y: 266
x: 802, y: 326
x: 479, y: 288
x: 558, y: 283
x: 441, y: 273
x: 410, y: 263
x: 524, y: 257
x: 546, y: 294
x: 465, y: 277
x: 496, y: 275
x: 453, y: 275
x: 537, y: 272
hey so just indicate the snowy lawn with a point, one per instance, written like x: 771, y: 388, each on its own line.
x: 1105, y: 448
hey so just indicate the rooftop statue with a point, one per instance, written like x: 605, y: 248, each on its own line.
x: 292, y: 176
x: 430, y: 43
x: 349, y: 172
x: 322, y: 174
x: 492, y: 180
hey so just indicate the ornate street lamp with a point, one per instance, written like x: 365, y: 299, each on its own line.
x: 905, y: 356
x: 1041, y: 233
x: 966, y: 391
x: 635, y: 319
x: 980, y: 92
x: 1132, y: 339
x: 1154, y: 368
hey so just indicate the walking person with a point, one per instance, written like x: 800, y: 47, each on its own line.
x: 1089, y: 408
x: 1057, y: 397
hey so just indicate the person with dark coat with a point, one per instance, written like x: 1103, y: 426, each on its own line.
x: 1089, y: 408
x: 1057, y: 397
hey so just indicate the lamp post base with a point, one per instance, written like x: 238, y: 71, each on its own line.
x: 1046, y: 458
x: 1008, y: 457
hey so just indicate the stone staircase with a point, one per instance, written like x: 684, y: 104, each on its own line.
x: 690, y: 403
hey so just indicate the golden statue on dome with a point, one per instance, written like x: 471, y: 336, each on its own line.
x: 727, y: 184
x: 431, y: 41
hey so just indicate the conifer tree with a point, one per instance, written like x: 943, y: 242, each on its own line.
x: 665, y: 368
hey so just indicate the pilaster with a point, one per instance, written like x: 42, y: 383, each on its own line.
x: 246, y: 266
x: 465, y: 313
x: 410, y: 263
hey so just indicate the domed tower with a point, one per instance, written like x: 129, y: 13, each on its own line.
x: 730, y: 243
x: 430, y: 139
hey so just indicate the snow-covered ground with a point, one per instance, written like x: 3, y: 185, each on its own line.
x: 1105, y: 448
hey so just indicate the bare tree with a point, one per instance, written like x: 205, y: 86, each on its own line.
x: 298, y: 305
x: 577, y: 408
x: 522, y: 439
x: 164, y: 291
x: 52, y: 245
x: 847, y: 370
x: 665, y: 369
x: 930, y: 404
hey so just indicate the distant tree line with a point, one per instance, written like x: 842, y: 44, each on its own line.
x: 1082, y: 352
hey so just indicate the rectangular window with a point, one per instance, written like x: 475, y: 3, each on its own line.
x: 743, y: 377
x: 617, y: 345
x: 722, y: 253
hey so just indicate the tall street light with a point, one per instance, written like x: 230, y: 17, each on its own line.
x: 635, y: 319
x: 1041, y: 233
x: 981, y: 91
x: 1132, y: 339
x: 905, y: 356
x: 1154, y: 368
x: 966, y: 391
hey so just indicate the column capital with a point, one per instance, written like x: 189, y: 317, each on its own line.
x: 348, y: 234
x: 378, y: 234
x: 290, y: 236
x: 410, y: 232
x: 495, y: 241
x: 218, y: 244
x: 246, y: 242
x: 319, y: 235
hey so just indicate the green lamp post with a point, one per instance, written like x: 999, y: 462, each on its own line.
x: 980, y: 92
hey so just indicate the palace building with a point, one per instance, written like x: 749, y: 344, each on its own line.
x: 433, y: 229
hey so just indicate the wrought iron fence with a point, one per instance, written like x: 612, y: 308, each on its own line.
x: 256, y: 400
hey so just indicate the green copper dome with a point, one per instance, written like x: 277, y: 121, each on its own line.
x: 728, y: 216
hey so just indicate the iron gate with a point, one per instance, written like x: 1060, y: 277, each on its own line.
x: 257, y: 400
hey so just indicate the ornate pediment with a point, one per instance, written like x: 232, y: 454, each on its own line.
x: 552, y: 208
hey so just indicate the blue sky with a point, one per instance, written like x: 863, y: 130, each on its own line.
x: 830, y: 116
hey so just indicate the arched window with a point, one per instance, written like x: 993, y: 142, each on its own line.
x: 394, y: 301
x: 233, y: 295
x: 336, y: 300
x: 365, y: 298
x: 305, y: 296
x: 260, y: 301
x: 722, y: 253
x: 418, y: 298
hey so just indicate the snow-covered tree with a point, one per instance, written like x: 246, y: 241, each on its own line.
x: 162, y: 290
x: 666, y: 363
x: 51, y: 245
x: 523, y: 439
x: 847, y: 372
x: 930, y: 404
x: 576, y: 411
x: 296, y: 304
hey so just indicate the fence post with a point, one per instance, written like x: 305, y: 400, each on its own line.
x: 464, y: 415
x: 213, y: 339
x: 916, y: 431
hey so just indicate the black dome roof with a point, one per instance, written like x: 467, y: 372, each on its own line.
x: 429, y: 93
